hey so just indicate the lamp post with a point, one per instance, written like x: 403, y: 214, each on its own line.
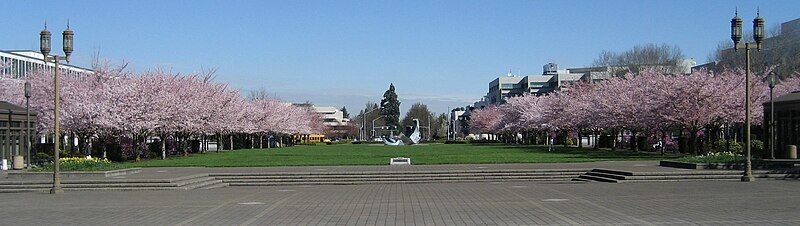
x: 772, y: 83
x: 44, y: 46
x: 429, y: 127
x: 364, y: 122
x: 758, y: 37
x: 28, y: 123
x: 373, y: 124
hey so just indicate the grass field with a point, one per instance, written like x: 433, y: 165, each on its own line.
x: 363, y: 154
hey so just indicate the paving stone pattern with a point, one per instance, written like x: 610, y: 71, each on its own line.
x: 490, y: 203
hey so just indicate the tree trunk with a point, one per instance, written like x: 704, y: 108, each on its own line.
x: 186, y: 147
x: 693, y: 142
x: 135, y: 147
x: 163, y: 146
x: 260, y: 141
x: 614, y: 140
x: 663, y: 141
x: 231, y: 139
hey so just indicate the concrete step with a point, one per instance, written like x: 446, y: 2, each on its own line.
x: 114, y: 181
x: 194, y: 180
x: 607, y: 175
x: 561, y: 177
x: 598, y: 178
x: 109, y: 185
x: 21, y: 190
x: 547, y: 171
x: 677, y: 180
x: 213, y: 183
x: 581, y: 180
x: 45, y: 190
x: 392, y: 175
x: 687, y: 177
x: 379, y: 182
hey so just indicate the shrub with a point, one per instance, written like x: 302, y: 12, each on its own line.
x: 722, y: 146
x: 714, y: 157
x: 456, y: 142
x: 568, y: 142
x: 484, y: 142
x: 367, y: 142
x: 757, y: 148
x: 42, y: 158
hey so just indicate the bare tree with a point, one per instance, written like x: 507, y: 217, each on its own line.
x: 258, y: 94
x: 779, y: 52
x: 663, y: 57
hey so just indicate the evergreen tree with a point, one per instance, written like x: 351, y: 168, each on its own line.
x: 420, y: 112
x: 440, y: 127
x: 391, y: 107
x: 345, y: 114
x: 417, y: 111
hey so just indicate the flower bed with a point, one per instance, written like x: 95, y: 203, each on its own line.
x: 83, y: 164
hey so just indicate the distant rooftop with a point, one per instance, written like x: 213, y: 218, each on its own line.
x: 30, y: 54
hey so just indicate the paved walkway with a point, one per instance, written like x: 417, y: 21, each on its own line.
x: 513, y: 203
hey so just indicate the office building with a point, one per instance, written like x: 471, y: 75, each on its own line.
x: 332, y: 116
x: 20, y: 63
x: 551, y: 79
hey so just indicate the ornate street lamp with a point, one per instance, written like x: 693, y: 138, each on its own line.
x: 44, y: 46
x: 758, y: 37
x: 28, y: 123
x: 772, y: 82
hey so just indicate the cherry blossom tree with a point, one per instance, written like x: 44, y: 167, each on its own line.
x: 117, y: 103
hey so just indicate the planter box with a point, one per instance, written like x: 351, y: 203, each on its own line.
x: 71, y: 174
x: 757, y: 164
x: 687, y: 165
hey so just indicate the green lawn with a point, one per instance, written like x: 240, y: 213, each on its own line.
x: 363, y: 154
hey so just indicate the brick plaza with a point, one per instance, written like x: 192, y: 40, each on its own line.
x: 489, y: 203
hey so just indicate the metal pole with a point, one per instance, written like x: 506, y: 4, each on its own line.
x: 11, y: 151
x: 771, y: 125
x: 363, y: 124
x: 373, y: 124
x: 57, y: 132
x: 429, y: 127
x: 7, y: 143
x: 28, y: 131
x: 748, y: 172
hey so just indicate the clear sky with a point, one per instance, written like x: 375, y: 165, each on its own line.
x: 344, y: 53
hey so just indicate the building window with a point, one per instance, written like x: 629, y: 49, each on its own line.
x: 538, y: 84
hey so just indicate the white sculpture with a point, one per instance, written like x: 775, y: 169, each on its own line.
x: 415, y: 136
x: 392, y: 141
x: 411, y: 140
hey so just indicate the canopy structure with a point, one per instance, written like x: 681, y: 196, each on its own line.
x: 787, y: 122
x: 12, y: 123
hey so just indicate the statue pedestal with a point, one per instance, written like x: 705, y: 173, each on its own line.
x: 400, y: 161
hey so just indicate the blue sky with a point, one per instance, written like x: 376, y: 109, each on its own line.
x: 344, y: 53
